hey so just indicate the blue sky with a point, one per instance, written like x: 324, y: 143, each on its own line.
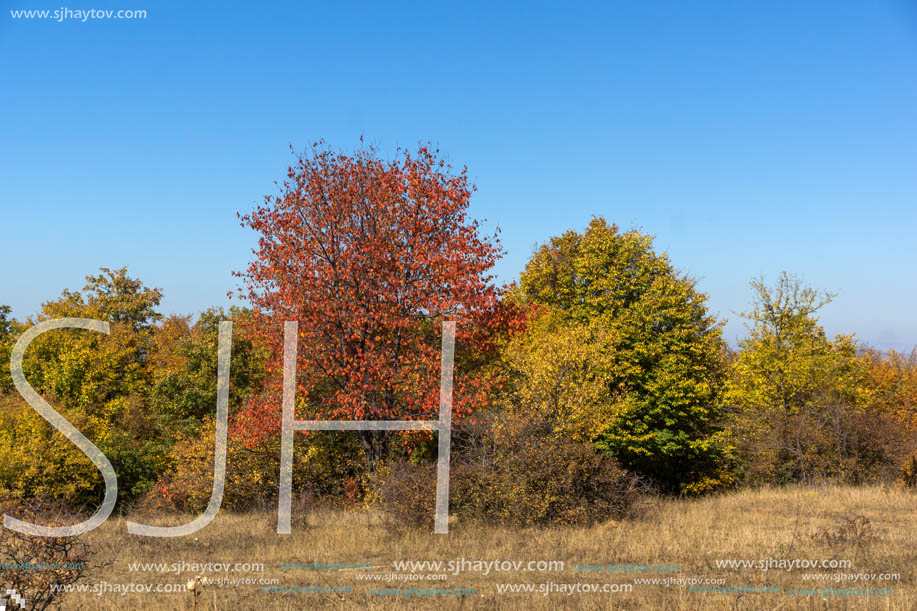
x: 748, y: 139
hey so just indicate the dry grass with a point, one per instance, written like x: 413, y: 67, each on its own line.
x: 872, y: 526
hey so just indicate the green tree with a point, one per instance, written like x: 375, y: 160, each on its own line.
x: 185, y: 358
x: 641, y: 361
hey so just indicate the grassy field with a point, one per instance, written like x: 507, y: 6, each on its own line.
x: 872, y: 527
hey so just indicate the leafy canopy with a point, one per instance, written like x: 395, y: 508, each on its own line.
x: 369, y: 256
x: 800, y: 398
x: 99, y: 383
x: 641, y: 359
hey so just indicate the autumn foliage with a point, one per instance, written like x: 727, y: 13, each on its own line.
x: 602, y: 372
x: 369, y: 256
x: 625, y: 354
x: 56, y: 561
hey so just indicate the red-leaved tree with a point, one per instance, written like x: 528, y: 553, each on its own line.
x: 370, y: 256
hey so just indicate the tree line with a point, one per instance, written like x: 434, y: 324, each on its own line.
x: 600, y: 373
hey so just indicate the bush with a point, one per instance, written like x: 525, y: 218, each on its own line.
x: 907, y: 476
x: 841, y: 442
x: 324, y: 465
x: 62, y: 560
x: 514, y: 471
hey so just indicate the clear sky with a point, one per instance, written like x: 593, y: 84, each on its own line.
x: 747, y: 137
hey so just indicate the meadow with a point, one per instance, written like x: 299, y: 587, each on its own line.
x: 599, y: 419
x: 869, y: 526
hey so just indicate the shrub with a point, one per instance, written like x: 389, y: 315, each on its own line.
x: 324, y: 465
x: 515, y: 471
x: 61, y: 560
x: 830, y: 441
x: 908, y: 473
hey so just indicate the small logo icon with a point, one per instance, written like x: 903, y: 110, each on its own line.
x: 14, y: 597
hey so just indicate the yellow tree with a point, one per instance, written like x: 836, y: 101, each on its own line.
x: 99, y: 383
x: 9, y: 331
x: 801, y: 401
x: 893, y: 377
x: 563, y: 370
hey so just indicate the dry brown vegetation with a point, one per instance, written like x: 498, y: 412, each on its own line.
x: 871, y: 526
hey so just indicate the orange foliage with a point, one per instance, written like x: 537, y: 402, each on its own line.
x: 369, y: 256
